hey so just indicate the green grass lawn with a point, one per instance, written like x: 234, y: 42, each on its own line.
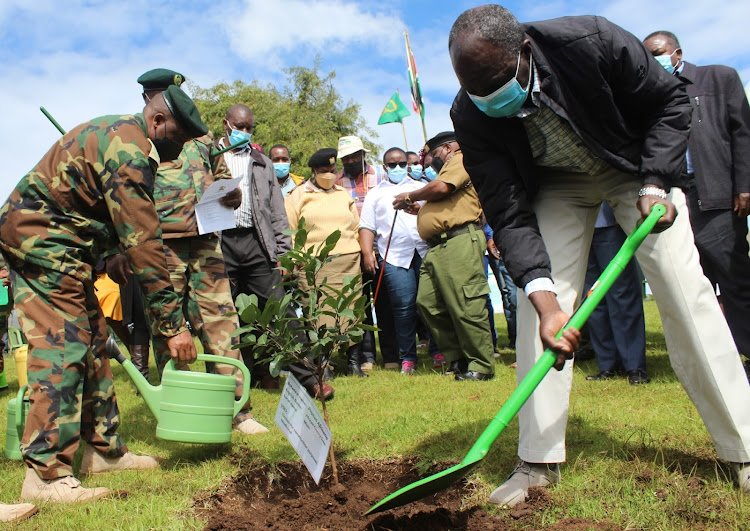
x: 638, y: 457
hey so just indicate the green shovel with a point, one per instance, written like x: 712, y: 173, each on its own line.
x: 437, y: 482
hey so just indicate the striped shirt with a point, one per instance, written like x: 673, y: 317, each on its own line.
x: 239, y: 163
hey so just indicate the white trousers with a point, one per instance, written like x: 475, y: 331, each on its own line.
x: 700, y: 345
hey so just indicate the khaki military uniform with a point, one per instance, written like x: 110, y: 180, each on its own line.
x: 91, y: 192
x: 453, y: 289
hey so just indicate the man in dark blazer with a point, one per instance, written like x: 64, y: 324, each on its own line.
x: 553, y: 117
x: 717, y: 177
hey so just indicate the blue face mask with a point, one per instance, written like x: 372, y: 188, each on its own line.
x: 505, y: 101
x: 416, y: 172
x: 281, y: 169
x: 666, y: 61
x: 430, y: 174
x: 239, y: 136
x: 397, y: 174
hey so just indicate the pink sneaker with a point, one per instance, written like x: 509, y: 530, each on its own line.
x: 407, y: 367
x: 438, y: 360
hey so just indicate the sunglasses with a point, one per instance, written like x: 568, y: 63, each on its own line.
x: 392, y: 165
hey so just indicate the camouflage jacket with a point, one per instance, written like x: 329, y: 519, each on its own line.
x: 91, y: 192
x: 180, y: 184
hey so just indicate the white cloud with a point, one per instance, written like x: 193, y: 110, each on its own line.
x: 262, y: 31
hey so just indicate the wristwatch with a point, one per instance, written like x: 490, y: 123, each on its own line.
x: 408, y: 200
x: 652, y: 190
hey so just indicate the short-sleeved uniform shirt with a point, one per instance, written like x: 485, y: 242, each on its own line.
x: 458, y: 208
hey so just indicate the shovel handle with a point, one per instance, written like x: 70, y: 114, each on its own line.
x: 548, y: 359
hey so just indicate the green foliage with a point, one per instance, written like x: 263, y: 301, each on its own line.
x: 277, y: 337
x: 306, y: 115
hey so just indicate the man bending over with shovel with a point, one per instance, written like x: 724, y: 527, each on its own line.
x: 553, y: 118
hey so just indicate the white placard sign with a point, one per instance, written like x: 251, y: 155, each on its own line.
x: 303, y: 425
x: 211, y: 215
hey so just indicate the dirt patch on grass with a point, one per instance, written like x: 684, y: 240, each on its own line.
x: 285, y: 498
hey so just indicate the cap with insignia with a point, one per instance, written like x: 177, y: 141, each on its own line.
x: 160, y: 79
x: 184, y: 111
x: 439, y: 139
x: 322, y: 157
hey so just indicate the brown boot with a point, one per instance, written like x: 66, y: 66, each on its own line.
x: 16, y: 511
x: 62, y: 490
x: 139, y: 357
x: 95, y: 463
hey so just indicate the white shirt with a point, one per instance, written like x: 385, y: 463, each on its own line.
x: 377, y: 216
x: 239, y: 163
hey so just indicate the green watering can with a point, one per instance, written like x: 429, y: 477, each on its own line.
x: 18, y: 409
x: 189, y: 406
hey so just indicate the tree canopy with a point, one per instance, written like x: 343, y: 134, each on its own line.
x: 306, y: 115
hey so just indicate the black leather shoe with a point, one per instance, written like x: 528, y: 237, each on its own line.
x: 473, y: 376
x: 457, y: 367
x: 604, y: 375
x: 638, y: 377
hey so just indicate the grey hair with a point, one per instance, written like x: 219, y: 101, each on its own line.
x: 671, y: 38
x: 490, y: 22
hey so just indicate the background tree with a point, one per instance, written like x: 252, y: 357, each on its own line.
x: 307, y: 114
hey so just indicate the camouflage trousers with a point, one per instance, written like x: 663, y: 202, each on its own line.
x: 199, y: 277
x: 72, y: 392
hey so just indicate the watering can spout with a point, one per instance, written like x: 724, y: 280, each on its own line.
x: 150, y: 393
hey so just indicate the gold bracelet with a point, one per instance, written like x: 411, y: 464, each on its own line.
x: 408, y: 200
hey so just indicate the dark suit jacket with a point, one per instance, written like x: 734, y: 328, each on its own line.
x: 720, y: 134
x: 625, y: 107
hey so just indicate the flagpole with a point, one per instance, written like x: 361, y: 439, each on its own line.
x: 409, y: 57
x: 406, y: 143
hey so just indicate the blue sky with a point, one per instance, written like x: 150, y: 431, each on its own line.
x: 80, y: 58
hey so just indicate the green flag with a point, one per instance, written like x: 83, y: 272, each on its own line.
x: 394, y: 111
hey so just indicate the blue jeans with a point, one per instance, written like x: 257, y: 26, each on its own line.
x: 402, y: 287
x: 508, y: 290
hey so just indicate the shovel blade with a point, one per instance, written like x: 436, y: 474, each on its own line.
x: 424, y: 487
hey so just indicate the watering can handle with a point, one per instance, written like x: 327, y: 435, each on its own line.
x: 227, y: 361
x: 19, y: 410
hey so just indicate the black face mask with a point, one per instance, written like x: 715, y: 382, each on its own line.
x: 437, y: 164
x: 168, y: 149
x: 353, y: 168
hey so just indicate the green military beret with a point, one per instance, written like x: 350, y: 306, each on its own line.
x: 184, y: 111
x: 160, y: 79
x: 322, y: 157
x: 439, y: 139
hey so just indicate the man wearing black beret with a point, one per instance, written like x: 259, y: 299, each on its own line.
x: 90, y: 193
x: 453, y: 290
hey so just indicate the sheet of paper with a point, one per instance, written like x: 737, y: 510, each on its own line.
x: 211, y: 215
x: 219, y: 189
x: 304, y: 427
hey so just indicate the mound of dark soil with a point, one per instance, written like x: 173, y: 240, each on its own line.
x: 286, y: 498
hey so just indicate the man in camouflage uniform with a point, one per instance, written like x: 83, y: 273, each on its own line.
x: 195, y: 263
x: 90, y: 193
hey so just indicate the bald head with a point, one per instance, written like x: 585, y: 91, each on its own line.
x: 239, y: 112
x: 484, y: 46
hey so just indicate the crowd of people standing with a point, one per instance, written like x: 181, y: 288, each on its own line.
x: 541, y: 163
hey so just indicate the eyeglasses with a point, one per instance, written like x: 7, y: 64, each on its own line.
x: 392, y: 165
